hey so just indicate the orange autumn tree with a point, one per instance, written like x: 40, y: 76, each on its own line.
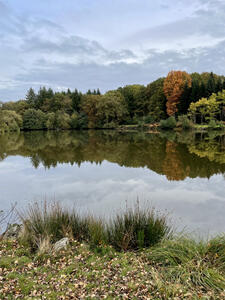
x: 173, y: 88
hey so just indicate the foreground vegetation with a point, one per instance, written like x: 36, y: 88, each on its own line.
x: 187, y: 99
x: 175, y: 269
x: 140, y: 259
x: 131, y: 230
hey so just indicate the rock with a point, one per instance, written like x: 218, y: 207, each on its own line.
x: 12, y: 231
x: 61, y: 244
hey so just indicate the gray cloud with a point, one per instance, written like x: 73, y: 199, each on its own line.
x: 113, y: 75
x: 36, y: 51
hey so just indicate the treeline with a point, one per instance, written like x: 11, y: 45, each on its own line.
x: 176, y: 95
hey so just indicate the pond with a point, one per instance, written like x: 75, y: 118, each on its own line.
x: 103, y: 172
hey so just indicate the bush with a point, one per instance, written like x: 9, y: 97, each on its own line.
x: 169, y: 123
x: 149, y: 119
x: 184, y: 122
x: 212, y: 124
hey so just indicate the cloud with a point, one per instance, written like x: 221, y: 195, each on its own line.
x: 36, y: 50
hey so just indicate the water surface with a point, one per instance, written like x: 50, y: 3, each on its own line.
x: 104, y: 171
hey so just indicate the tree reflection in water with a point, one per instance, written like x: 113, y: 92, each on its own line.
x: 175, y: 155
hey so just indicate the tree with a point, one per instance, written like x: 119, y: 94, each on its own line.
x: 211, y: 85
x: 184, y: 101
x: 10, y: 121
x: 34, y: 119
x: 58, y: 102
x: 208, y: 109
x: 42, y: 95
x: 156, y: 99
x: 173, y: 88
x: 89, y: 107
x: 136, y: 99
x: 111, y: 109
x: 31, y: 97
x: 76, y: 100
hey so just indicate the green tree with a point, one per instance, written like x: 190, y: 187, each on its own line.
x: 184, y: 102
x: 89, y: 107
x: 76, y: 100
x: 9, y: 121
x: 156, y: 100
x: 34, y: 119
x: 135, y: 97
x: 111, y: 109
x: 211, y: 85
x: 31, y: 97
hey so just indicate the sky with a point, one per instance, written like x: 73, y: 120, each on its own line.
x: 106, y: 43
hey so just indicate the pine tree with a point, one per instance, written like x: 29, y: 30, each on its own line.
x: 98, y: 92
x: 184, y: 101
x: 202, y: 91
x: 31, y: 97
x: 211, y: 85
x: 219, y: 86
x: 194, y: 97
x: 223, y: 85
x: 76, y: 100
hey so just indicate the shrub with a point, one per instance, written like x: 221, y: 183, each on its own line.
x: 184, y: 122
x: 169, y: 123
x: 149, y: 119
x: 212, y: 124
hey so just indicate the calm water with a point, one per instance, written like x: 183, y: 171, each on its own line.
x: 102, y: 172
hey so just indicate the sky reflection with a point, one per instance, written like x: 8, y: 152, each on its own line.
x: 105, y: 189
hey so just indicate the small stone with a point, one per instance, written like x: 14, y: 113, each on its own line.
x: 61, y: 244
x: 12, y: 231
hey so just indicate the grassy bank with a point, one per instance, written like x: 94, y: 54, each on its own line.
x: 175, y: 269
x: 134, y: 256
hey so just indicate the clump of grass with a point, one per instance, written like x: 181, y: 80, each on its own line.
x: 216, y: 252
x: 51, y: 222
x: 137, y: 229
x: 178, y: 251
x: 189, y: 262
x: 131, y: 230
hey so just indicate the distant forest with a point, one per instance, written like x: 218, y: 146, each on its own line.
x: 200, y: 98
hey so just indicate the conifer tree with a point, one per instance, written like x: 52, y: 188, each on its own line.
x: 31, y: 97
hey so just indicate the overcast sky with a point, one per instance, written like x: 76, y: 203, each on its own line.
x: 106, y: 43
